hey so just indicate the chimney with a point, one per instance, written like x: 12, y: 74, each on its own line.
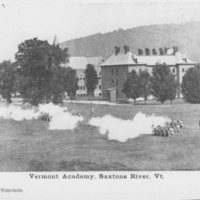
x: 117, y: 50
x: 140, y: 52
x: 165, y: 50
x: 175, y: 49
x: 134, y: 58
x: 161, y: 51
x: 185, y: 59
x: 136, y: 61
x: 154, y: 52
x: 126, y: 49
x: 147, y: 51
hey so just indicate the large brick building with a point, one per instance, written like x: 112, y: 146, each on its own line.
x: 116, y: 68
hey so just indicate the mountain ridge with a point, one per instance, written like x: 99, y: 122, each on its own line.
x: 185, y: 35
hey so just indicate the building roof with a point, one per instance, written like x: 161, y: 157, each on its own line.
x: 95, y: 60
x: 131, y: 59
x: 120, y: 59
x: 80, y: 62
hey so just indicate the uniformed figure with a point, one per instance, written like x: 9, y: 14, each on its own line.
x: 169, y: 129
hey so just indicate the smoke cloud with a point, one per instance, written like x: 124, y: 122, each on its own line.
x: 122, y: 130
x: 17, y: 113
x: 64, y: 121
x: 61, y: 118
x: 51, y: 109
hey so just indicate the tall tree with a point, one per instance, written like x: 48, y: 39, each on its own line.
x: 144, y: 84
x: 57, y: 85
x: 70, y: 82
x: 38, y: 61
x: 191, y: 85
x: 173, y: 87
x: 163, y: 84
x: 132, y: 87
x: 91, y: 79
x: 7, y: 80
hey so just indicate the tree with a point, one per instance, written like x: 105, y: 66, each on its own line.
x: 7, y: 80
x: 191, y: 85
x: 144, y: 84
x: 70, y: 82
x: 131, y: 87
x: 173, y: 87
x: 38, y: 61
x: 57, y: 85
x: 163, y: 84
x: 91, y: 79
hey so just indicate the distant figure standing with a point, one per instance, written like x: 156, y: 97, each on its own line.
x: 92, y: 111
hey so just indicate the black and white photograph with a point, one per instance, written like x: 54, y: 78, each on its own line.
x: 88, y: 90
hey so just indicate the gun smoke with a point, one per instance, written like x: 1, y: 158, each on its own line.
x: 122, y: 130
x: 61, y: 118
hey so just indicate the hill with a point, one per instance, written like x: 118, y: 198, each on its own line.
x: 186, y: 36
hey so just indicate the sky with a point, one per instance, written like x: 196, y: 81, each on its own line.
x: 23, y: 19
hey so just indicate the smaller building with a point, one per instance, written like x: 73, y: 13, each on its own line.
x: 111, y: 94
x: 79, y: 63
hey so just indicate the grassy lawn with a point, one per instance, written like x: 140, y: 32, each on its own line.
x: 30, y: 146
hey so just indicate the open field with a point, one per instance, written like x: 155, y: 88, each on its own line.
x: 30, y: 146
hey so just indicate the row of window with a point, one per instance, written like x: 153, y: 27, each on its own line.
x: 85, y: 95
x: 81, y: 88
x: 79, y: 79
x: 174, y: 70
x: 84, y: 88
x: 83, y: 78
x: 82, y: 95
x: 140, y: 70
